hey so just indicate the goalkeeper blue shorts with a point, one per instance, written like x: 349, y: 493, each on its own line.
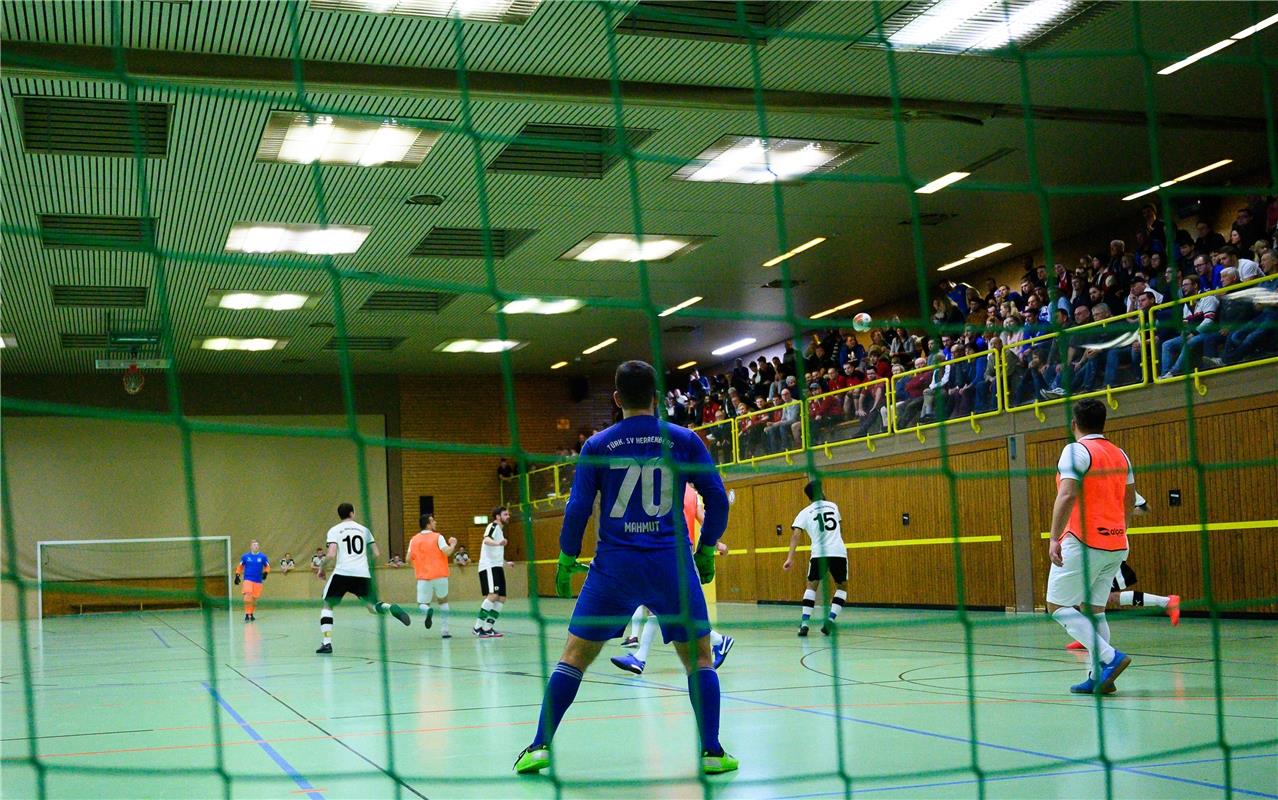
x: 620, y: 581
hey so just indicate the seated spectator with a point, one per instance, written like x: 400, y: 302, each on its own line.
x: 1207, y: 274
x: 958, y: 385
x: 1260, y: 334
x: 718, y: 438
x: 395, y: 562
x: 1201, y: 336
x: 287, y: 564
x: 987, y: 376
x: 317, y: 562
x: 824, y: 412
x: 461, y: 558
x: 781, y: 431
x: 871, y: 400
x: 1139, y: 286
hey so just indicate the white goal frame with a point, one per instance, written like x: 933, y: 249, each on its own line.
x: 40, y: 545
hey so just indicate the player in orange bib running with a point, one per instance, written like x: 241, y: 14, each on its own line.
x: 1096, y: 491
x: 428, y: 552
x: 693, y: 513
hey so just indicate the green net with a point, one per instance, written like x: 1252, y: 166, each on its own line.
x: 825, y: 430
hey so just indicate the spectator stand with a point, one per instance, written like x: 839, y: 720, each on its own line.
x: 950, y: 403
x: 872, y: 398
x: 778, y: 431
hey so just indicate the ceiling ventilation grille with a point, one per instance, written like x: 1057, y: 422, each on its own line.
x: 424, y: 302
x: 778, y: 283
x: 68, y: 296
x: 98, y: 233
x: 468, y: 242
x: 383, y: 343
x: 707, y: 21
x: 83, y: 341
x: 71, y: 126
x: 682, y: 329
x: 584, y: 154
x: 935, y: 218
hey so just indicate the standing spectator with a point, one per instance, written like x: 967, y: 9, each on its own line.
x: 1208, y: 241
x: 505, y: 469
x: 317, y: 563
x: 698, y: 386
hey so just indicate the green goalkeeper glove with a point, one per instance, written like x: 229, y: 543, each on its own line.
x: 703, y: 559
x: 567, y: 566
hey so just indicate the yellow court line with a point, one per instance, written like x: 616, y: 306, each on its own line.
x: 1211, y: 526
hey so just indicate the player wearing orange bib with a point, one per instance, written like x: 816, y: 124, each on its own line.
x: 693, y: 514
x: 1096, y: 490
x: 428, y: 552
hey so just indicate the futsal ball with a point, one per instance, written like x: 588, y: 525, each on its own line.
x: 861, y: 321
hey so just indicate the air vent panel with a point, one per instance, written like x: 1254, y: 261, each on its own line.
x: 96, y: 233
x: 420, y: 302
x: 707, y: 21
x: 366, y: 343
x: 680, y: 329
x: 78, y: 296
x: 76, y: 127
x: 83, y: 341
x: 935, y: 218
x: 585, y: 154
x: 778, y: 283
x: 468, y: 242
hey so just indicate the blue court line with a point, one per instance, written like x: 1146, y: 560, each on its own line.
x: 964, y: 741
x: 969, y: 781
x: 161, y: 638
x: 301, y: 782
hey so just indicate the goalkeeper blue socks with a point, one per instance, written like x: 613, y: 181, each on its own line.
x: 703, y: 690
x: 561, y: 690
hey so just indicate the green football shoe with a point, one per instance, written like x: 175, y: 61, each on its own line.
x: 534, y: 759
x: 717, y: 765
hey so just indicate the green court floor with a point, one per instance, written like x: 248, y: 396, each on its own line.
x: 161, y: 705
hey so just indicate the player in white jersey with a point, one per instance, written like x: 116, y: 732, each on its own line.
x: 492, y: 574
x: 347, y: 543
x: 823, y: 523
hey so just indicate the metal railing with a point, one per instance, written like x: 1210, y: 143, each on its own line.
x: 1098, y: 359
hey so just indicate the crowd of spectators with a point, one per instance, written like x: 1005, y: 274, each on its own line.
x: 844, y: 374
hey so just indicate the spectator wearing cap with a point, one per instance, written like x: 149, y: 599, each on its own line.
x: 912, y: 390
x: 824, y: 412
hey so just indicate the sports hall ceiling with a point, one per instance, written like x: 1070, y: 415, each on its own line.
x: 222, y: 67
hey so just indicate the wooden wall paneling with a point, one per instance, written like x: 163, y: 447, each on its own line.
x: 735, y: 580
x: 776, y: 503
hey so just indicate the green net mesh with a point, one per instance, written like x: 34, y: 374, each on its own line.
x: 739, y: 448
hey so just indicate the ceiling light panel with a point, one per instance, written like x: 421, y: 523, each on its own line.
x: 299, y: 138
x: 478, y: 345
x: 732, y: 347
x: 559, y: 365
x: 975, y: 254
x: 537, y: 305
x: 259, y: 301
x: 260, y: 237
x: 837, y: 308
x: 1187, y: 176
x: 514, y: 12
x: 691, y: 301
x: 808, y: 245
x: 8, y: 341
x: 627, y: 248
x: 941, y: 182
x: 751, y: 159
x: 250, y: 344
x: 594, y: 348
x: 1218, y: 46
x: 686, y: 365
x: 958, y: 26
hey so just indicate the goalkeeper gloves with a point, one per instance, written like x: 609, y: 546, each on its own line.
x: 237, y: 580
x: 703, y: 559
x: 568, y: 565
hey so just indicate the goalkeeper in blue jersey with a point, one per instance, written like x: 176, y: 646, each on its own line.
x: 639, y: 468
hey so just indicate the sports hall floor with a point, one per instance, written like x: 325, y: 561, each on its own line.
x: 122, y: 698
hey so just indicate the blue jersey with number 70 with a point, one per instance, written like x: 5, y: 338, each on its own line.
x: 639, y: 468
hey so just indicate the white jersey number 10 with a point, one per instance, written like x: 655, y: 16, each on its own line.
x: 647, y: 474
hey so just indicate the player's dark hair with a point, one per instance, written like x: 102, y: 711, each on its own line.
x: 1089, y: 415
x: 425, y: 519
x: 636, y: 383
x: 497, y: 512
x: 345, y: 511
x: 810, y: 490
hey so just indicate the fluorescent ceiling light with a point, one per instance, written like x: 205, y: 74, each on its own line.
x: 808, y: 245
x: 733, y: 346
x: 299, y: 138
x: 938, y: 22
x: 536, y: 305
x: 477, y: 345
x: 686, y: 365
x: 8, y: 340
x: 252, y: 344
x: 596, y: 347
x: 627, y: 248
x: 1218, y: 46
x: 509, y: 11
x: 747, y: 159
x: 691, y: 301
x: 266, y: 301
x: 559, y: 365
x: 975, y: 254
x: 257, y: 237
x: 1185, y: 177
x: 1022, y: 23
x: 941, y: 182
x: 837, y: 308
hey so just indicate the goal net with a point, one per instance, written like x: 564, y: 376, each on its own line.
x: 102, y: 575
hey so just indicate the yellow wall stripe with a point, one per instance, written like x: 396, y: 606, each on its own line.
x: 856, y: 545
x: 1245, y: 525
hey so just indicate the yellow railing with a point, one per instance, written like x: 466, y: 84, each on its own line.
x: 1117, y: 347
x: 1219, y: 342
x: 1130, y: 335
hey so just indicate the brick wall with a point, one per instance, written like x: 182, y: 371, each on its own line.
x: 472, y: 410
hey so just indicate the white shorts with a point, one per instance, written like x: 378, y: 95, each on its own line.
x: 428, y: 590
x: 1067, y: 585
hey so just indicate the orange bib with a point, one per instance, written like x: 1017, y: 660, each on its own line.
x: 1099, y: 518
x: 429, y: 562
